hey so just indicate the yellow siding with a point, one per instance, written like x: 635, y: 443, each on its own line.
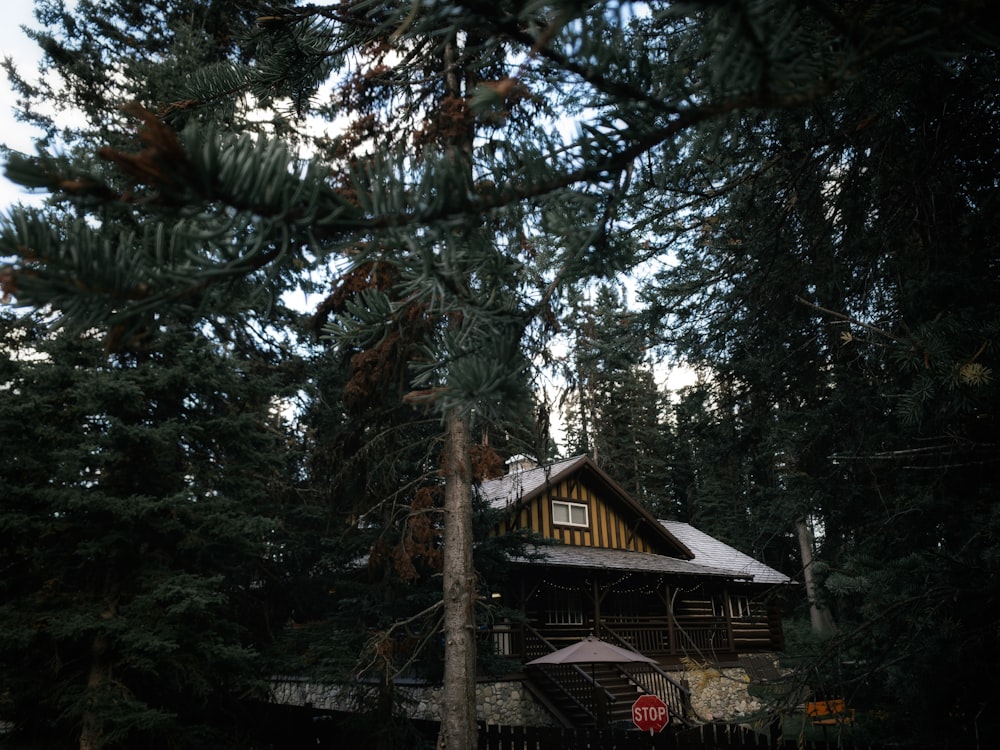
x: 607, y: 527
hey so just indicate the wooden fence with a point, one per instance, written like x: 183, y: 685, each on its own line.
x: 294, y: 727
x: 706, y: 737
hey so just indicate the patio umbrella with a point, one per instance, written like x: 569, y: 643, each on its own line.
x: 592, y: 650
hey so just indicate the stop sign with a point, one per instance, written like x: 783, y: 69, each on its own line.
x: 649, y: 713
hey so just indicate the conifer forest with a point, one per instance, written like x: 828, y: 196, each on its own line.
x: 289, y: 279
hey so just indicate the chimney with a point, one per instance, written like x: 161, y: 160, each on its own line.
x: 519, y: 462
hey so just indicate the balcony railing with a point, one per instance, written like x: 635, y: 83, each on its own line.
x: 696, y: 636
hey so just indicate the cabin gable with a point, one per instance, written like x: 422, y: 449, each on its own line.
x: 574, y: 513
x: 582, y: 507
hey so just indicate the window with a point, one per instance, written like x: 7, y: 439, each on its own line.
x: 739, y: 605
x: 565, y: 608
x: 569, y: 514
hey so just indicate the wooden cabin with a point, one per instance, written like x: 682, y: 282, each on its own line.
x: 660, y: 588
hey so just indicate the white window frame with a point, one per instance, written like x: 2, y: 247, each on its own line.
x: 569, y: 509
x: 739, y: 606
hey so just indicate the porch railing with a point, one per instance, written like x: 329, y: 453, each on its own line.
x: 697, y: 637
x: 654, y: 636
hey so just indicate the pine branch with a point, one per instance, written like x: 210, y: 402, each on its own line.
x: 849, y: 319
x: 374, y: 646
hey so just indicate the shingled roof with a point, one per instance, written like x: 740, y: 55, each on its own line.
x: 589, y: 558
x: 712, y: 553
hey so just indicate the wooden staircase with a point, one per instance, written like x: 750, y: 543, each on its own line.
x: 601, y: 695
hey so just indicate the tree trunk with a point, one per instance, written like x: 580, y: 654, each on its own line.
x: 458, y: 697
x: 91, y: 730
x: 819, y: 616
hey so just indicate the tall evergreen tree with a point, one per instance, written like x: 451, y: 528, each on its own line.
x: 157, y: 579
x: 138, y: 526
x: 844, y: 291
x: 240, y: 233
x: 613, y: 406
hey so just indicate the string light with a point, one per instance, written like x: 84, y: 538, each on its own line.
x: 554, y: 585
x: 618, y: 586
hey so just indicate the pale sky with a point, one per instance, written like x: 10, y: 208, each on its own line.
x: 13, y: 43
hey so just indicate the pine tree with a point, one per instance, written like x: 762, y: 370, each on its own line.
x: 323, y: 214
x: 614, y: 409
x: 372, y: 470
x: 852, y: 321
x: 138, y: 524
x: 158, y: 586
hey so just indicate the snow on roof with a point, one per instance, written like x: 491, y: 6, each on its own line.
x: 522, y: 482
x: 712, y: 553
x: 572, y: 556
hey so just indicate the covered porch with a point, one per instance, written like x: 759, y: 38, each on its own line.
x: 659, y: 613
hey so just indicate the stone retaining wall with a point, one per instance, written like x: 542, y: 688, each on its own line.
x: 717, y: 693
x: 505, y: 702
